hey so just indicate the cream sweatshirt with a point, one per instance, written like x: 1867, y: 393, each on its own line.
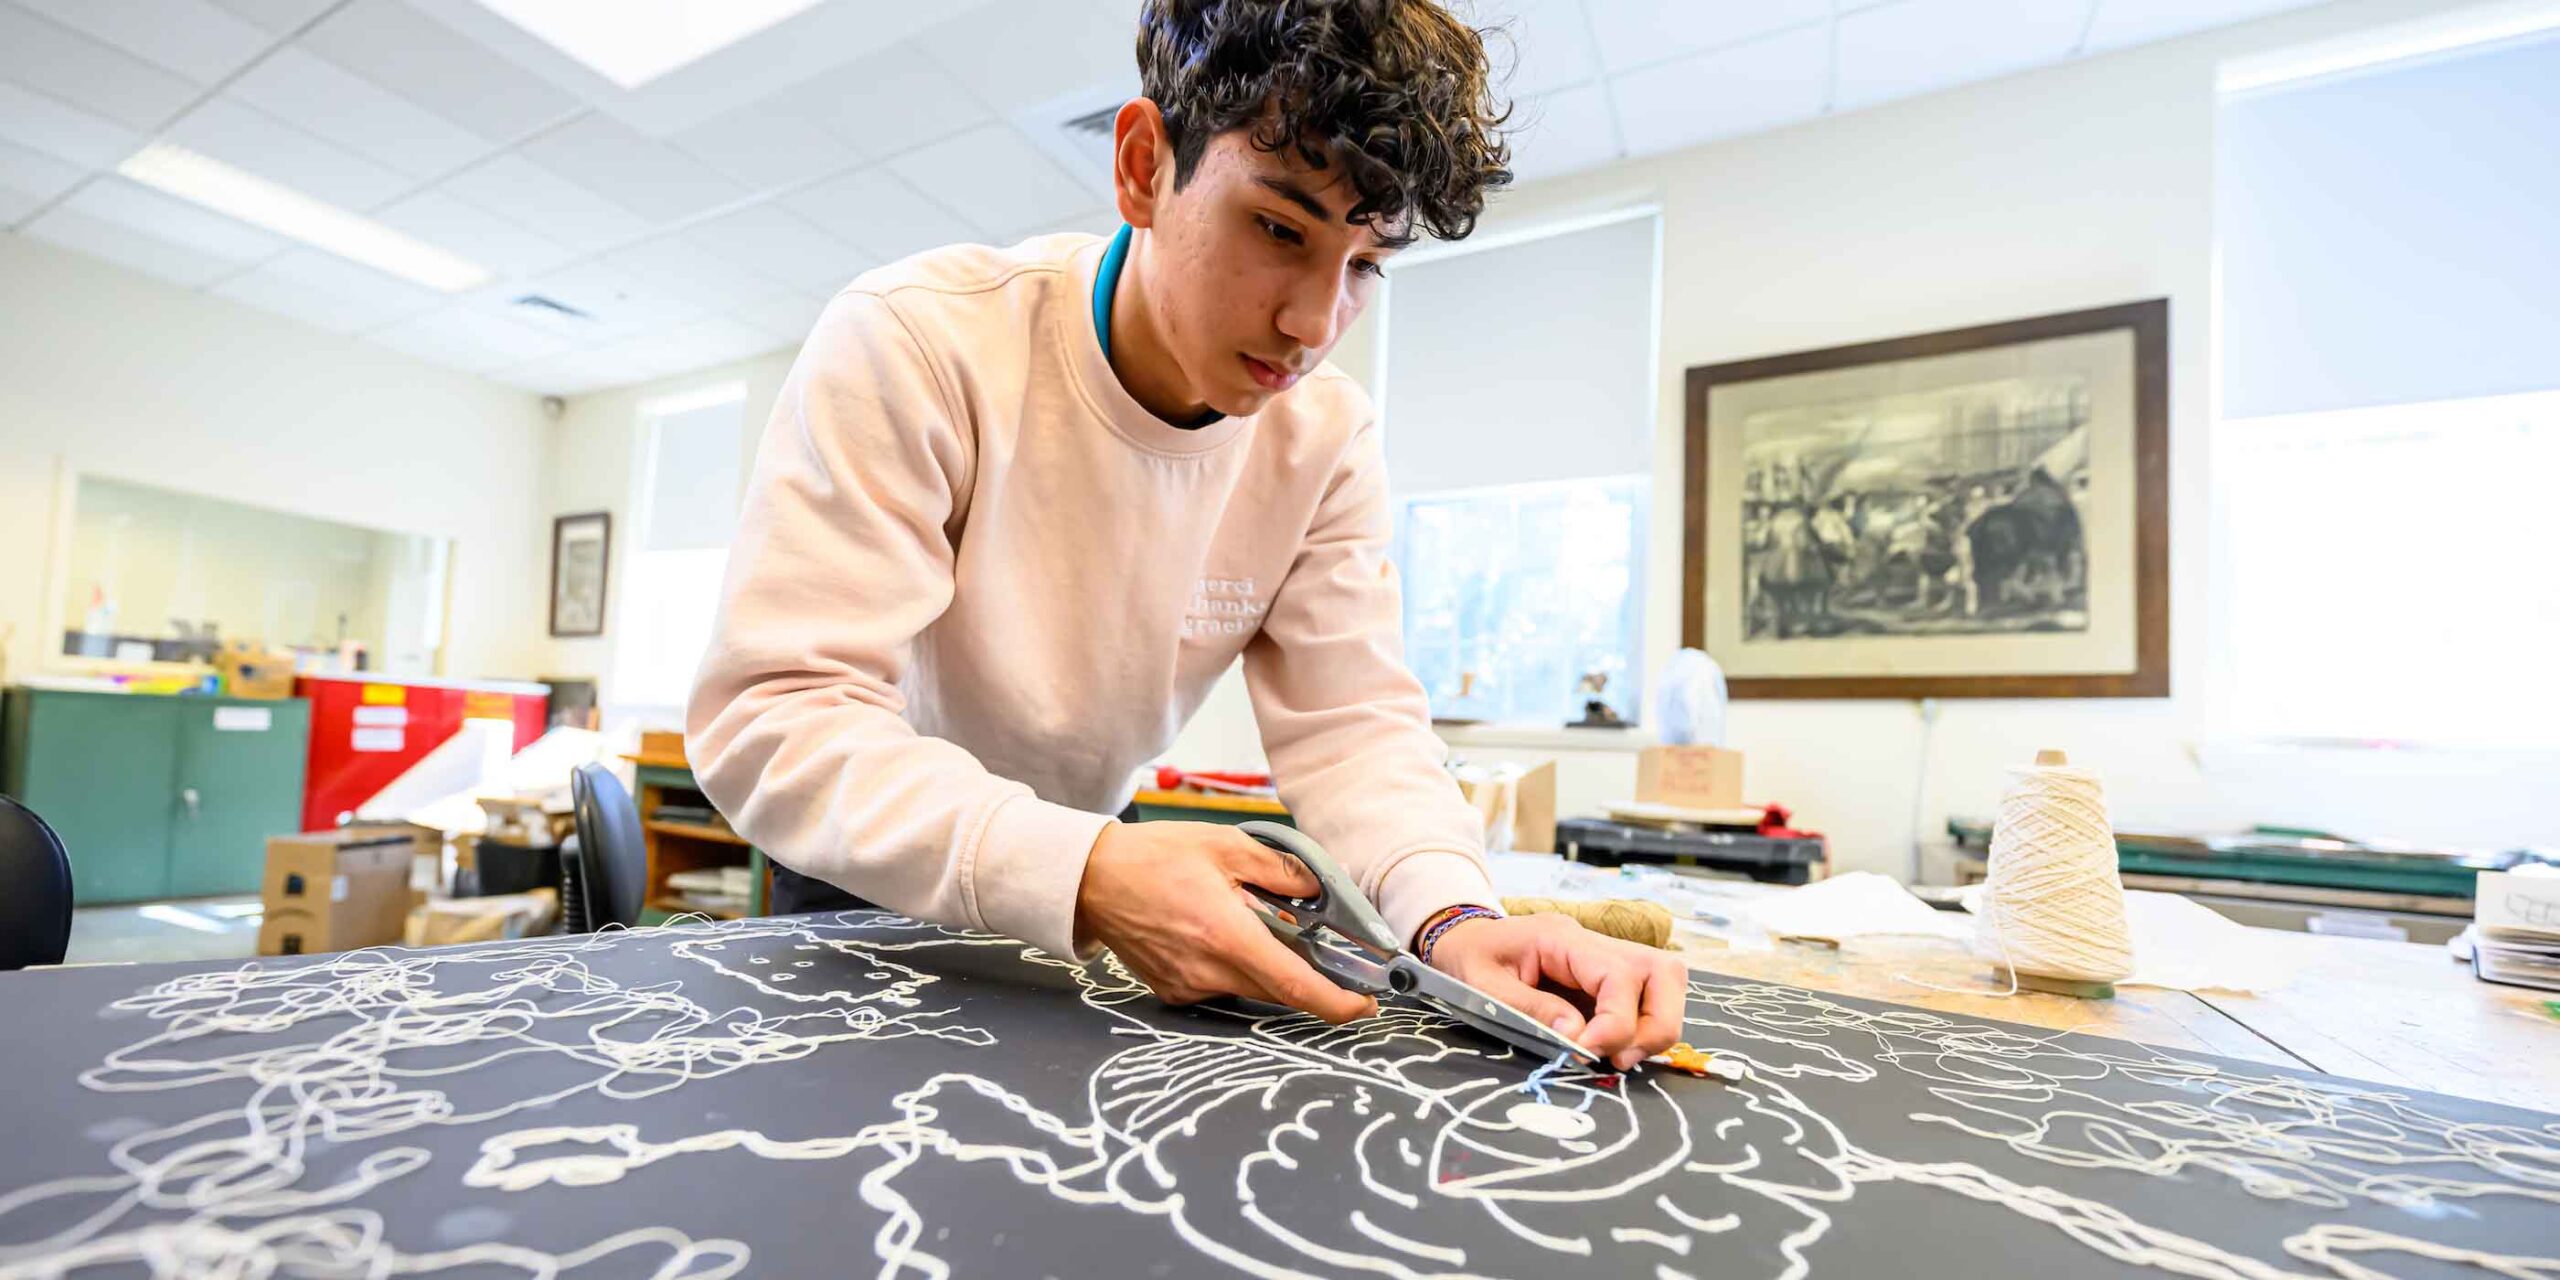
x: 976, y: 585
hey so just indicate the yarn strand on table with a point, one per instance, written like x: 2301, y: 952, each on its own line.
x: 2052, y: 902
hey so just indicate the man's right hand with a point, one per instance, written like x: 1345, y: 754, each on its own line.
x: 1166, y: 898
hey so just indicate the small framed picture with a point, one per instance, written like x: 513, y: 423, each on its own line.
x: 581, y: 552
x: 1974, y: 513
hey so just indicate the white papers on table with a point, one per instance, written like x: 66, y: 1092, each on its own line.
x: 2188, y: 946
x: 1854, y: 904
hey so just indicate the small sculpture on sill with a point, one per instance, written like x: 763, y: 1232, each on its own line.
x: 1596, y: 711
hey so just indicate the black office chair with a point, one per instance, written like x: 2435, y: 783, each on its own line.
x: 602, y: 874
x: 35, y: 889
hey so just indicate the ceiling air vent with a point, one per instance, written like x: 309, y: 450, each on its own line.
x: 549, y: 308
x: 1075, y: 130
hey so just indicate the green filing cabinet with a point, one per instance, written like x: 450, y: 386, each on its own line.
x: 157, y: 797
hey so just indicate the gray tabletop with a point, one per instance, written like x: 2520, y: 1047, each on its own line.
x: 861, y: 1095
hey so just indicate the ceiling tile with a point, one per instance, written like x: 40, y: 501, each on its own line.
x: 33, y: 120
x: 2129, y: 22
x: 886, y: 103
x: 429, y: 64
x: 328, y: 292
x: 254, y: 142
x: 16, y: 204
x: 617, y: 301
x: 669, y: 266
x: 765, y: 147
x: 460, y: 227
x: 993, y: 177
x: 281, y: 17
x: 50, y: 58
x: 1768, y: 82
x: 647, y: 177
x: 469, y: 340
x: 193, y: 38
x: 1104, y: 221
x: 1637, y: 33
x: 1919, y: 45
x: 719, y: 340
x: 356, y: 113
x: 785, y: 316
x: 879, y: 213
x: 1011, y: 54
x: 120, y: 200
x: 34, y: 173
x: 535, y: 198
x: 571, y: 373
x: 779, y: 246
x: 121, y: 244
x: 1535, y: 45
x: 1560, y: 132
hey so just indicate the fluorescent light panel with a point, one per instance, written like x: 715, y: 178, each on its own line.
x: 632, y: 42
x: 287, y: 212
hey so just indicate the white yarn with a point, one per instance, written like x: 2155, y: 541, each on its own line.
x: 2053, y: 903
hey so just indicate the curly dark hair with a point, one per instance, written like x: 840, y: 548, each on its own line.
x: 1397, y: 90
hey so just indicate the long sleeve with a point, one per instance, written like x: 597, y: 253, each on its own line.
x: 1345, y: 723
x: 844, y: 554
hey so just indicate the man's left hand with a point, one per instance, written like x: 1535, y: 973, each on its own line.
x: 1620, y: 1000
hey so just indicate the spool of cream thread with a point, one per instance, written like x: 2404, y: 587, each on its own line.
x: 2053, y: 903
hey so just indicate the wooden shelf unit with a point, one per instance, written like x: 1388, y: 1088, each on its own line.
x: 678, y: 847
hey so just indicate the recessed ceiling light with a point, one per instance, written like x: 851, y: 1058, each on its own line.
x: 632, y: 42
x: 287, y: 212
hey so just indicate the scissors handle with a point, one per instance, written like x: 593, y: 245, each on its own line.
x: 1338, y: 903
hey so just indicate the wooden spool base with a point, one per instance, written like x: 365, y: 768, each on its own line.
x: 2055, y: 986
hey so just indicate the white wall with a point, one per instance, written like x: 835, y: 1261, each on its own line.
x: 588, y: 466
x: 2075, y: 186
x: 107, y: 371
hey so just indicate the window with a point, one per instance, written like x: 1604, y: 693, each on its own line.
x: 155, y: 575
x: 1514, y: 595
x: 1517, y: 387
x: 2390, y: 574
x: 687, y: 483
x: 2390, y: 402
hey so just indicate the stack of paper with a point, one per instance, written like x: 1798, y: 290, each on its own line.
x: 2515, y: 932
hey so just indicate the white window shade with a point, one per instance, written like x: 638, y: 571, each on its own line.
x: 2386, y: 235
x: 693, y: 477
x: 1526, y: 362
x: 2386, y: 578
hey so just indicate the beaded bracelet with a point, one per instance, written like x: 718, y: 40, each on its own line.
x: 1444, y: 920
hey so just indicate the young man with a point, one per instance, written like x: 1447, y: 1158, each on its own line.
x: 1018, y: 509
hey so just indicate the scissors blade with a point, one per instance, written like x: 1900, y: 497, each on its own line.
x: 1481, y: 1011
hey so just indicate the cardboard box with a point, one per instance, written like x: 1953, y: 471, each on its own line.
x: 252, y: 672
x: 336, y: 890
x: 1691, y: 777
x: 662, y: 745
x: 444, y: 921
x: 1519, y: 813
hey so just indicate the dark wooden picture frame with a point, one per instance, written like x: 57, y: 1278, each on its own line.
x: 2149, y: 323
x: 560, y: 527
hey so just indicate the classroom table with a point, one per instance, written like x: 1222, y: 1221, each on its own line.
x: 855, y: 1093
x: 2398, y: 1013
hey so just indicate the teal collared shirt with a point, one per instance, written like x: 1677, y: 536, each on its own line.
x: 1106, y: 284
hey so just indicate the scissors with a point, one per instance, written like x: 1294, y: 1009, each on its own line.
x: 1345, y: 938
